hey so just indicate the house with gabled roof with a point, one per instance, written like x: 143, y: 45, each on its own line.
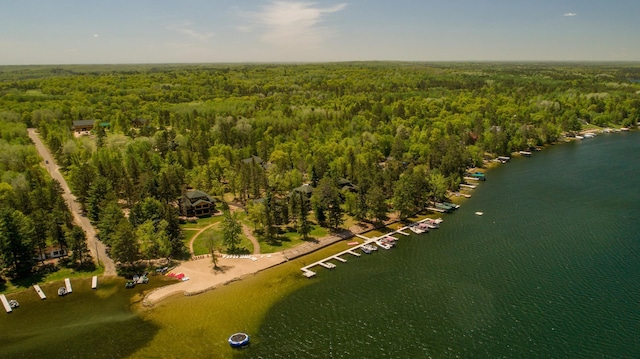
x: 83, y: 125
x: 196, y: 203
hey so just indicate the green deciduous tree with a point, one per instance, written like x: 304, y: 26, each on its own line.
x: 231, y: 229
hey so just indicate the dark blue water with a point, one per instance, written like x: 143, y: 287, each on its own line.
x: 551, y: 270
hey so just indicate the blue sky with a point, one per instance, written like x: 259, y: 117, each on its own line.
x: 161, y: 31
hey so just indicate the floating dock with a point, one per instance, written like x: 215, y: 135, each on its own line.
x: 94, y: 282
x: 5, y: 302
x: 67, y: 285
x: 39, y: 291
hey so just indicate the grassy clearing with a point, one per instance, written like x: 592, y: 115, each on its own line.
x: 200, y: 243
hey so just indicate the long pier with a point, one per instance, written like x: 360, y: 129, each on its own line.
x: 307, y: 272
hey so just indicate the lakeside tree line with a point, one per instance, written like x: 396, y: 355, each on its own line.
x: 398, y: 135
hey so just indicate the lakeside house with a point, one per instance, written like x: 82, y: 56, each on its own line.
x: 306, y: 188
x: 196, y: 203
x: 80, y: 126
x: 346, y: 185
x: 139, y: 122
x: 51, y: 253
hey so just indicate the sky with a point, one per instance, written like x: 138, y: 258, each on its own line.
x: 197, y: 31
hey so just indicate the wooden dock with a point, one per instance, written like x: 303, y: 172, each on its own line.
x: 67, y: 285
x: 307, y: 272
x: 94, y: 282
x: 5, y: 302
x: 470, y: 186
x: 39, y: 291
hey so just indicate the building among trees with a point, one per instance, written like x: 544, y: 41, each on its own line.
x: 83, y: 125
x: 197, y: 204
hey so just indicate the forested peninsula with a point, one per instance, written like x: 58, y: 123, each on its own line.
x: 299, y: 147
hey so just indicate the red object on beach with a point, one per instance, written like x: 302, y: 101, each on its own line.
x: 180, y: 275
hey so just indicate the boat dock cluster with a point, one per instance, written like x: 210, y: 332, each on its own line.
x: 9, y: 305
x: 369, y: 245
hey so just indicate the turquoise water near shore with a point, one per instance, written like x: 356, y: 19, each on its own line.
x: 552, y: 269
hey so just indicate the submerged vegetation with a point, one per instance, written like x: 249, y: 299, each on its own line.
x: 367, y: 138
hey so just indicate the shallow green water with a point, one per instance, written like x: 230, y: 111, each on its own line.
x: 551, y: 270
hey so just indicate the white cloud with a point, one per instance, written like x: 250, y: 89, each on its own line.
x: 570, y: 14
x: 288, y: 23
x: 186, y: 29
x: 96, y: 35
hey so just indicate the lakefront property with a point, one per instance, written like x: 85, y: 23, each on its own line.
x: 207, y: 174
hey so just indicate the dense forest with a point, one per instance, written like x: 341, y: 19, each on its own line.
x: 369, y: 139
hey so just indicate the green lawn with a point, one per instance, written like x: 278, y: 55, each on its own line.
x: 187, y: 236
x: 200, y: 247
x: 291, y: 239
x: 202, y: 222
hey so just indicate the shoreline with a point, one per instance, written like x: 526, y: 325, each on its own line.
x: 204, y: 278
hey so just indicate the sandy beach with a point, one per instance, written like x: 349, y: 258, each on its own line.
x: 202, y: 276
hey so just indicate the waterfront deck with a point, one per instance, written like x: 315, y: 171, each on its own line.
x: 67, y: 285
x: 307, y: 272
x: 94, y: 282
x: 39, y: 291
x: 5, y: 303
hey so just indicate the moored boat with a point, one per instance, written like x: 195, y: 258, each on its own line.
x: 62, y: 291
x: 416, y: 229
x: 14, y: 304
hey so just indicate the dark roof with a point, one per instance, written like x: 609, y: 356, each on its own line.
x: 199, y: 202
x: 305, y: 188
x: 140, y: 121
x: 197, y: 194
x: 83, y: 122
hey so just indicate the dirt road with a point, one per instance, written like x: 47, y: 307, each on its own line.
x: 97, y: 248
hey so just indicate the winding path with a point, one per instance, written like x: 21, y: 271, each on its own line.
x: 245, y: 230
x: 97, y: 248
